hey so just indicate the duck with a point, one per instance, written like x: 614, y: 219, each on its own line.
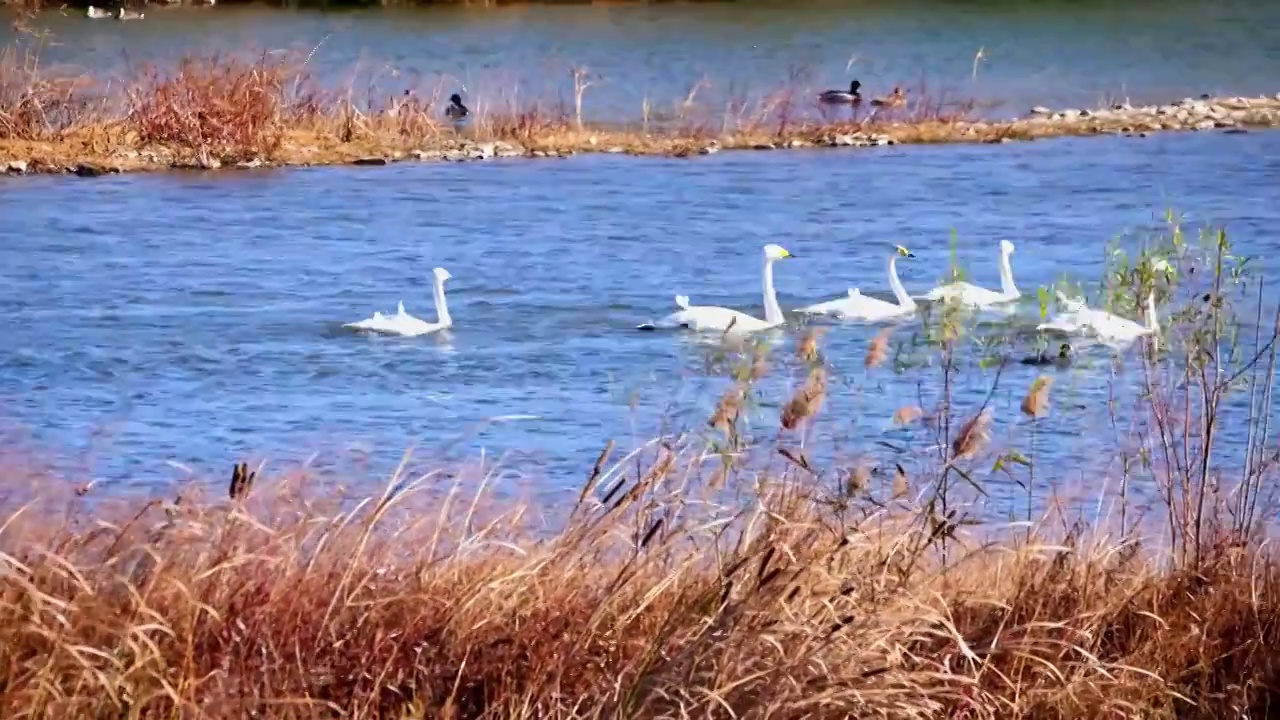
x: 970, y: 294
x: 864, y: 307
x: 840, y: 97
x: 1061, y: 360
x: 703, y: 318
x: 894, y: 99
x: 456, y: 110
x: 98, y: 13
x: 123, y: 14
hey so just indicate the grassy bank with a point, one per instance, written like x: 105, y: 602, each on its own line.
x: 222, y: 111
x: 723, y: 571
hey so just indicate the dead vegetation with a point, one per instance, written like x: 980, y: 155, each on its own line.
x: 221, y: 109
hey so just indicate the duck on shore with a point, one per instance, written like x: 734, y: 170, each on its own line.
x: 123, y: 14
x: 98, y: 13
x: 840, y: 97
x: 1061, y: 360
x: 893, y: 99
x: 456, y: 110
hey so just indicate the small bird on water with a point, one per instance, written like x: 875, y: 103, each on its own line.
x: 1062, y: 359
x: 456, y: 110
x: 840, y: 97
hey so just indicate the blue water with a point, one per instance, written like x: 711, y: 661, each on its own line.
x: 197, y: 318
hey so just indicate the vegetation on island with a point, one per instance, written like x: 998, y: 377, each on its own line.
x: 267, y: 109
x: 726, y: 570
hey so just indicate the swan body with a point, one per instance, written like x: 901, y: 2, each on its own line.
x: 840, y: 97
x: 857, y: 306
x: 970, y: 294
x: 1109, y: 327
x: 123, y: 14
x: 712, y: 318
x: 98, y: 13
x: 406, y: 325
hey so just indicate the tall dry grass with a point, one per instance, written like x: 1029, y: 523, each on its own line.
x: 685, y: 581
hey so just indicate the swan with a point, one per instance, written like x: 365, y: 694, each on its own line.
x: 1114, y: 328
x: 721, y: 319
x: 406, y: 325
x: 840, y: 97
x: 862, y: 307
x: 98, y: 13
x: 123, y: 14
x: 970, y: 294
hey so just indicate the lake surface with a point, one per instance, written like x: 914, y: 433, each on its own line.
x: 196, y: 317
x: 1055, y: 53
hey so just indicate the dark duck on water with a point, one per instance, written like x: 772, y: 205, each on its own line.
x: 456, y: 110
x: 840, y: 97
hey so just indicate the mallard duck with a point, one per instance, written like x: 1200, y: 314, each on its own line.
x: 98, y: 13
x: 1062, y: 359
x: 123, y: 14
x: 893, y: 99
x: 456, y: 109
x: 840, y: 97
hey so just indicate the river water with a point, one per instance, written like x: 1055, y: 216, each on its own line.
x: 1054, y: 53
x: 196, y: 318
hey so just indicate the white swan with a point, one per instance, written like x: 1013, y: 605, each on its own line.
x: 98, y: 13
x: 406, y: 325
x: 971, y: 294
x: 862, y: 307
x: 721, y: 319
x: 1109, y: 327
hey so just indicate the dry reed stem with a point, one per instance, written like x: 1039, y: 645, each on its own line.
x: 1036, y: 402
x: 878, y: 350
x: 808, y: 399
x: 973, y: 436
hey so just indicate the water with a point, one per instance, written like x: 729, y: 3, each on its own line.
x: 1056, y: 53
x: 196, y: 317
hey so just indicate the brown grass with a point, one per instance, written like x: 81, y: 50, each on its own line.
x: 220, y: 109
x: 664, y: 592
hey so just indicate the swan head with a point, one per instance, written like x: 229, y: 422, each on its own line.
x: 441, y: 275
x: 903, y: 252
x: 1006, y: 247
x: 776, y: 252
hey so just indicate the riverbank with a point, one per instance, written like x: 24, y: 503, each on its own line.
x: 219, y: 112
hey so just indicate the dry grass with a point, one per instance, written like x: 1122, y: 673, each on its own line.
x: 221, y: 109
x: 674, y: 587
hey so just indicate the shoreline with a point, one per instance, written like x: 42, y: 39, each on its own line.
x: 112, y: 147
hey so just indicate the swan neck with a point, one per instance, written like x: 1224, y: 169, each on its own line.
x: 899, y: 292
x: 772, y: 312
x: 1006, y: 276
x: 442, y: 307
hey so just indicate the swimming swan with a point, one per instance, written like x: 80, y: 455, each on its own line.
x: 721, y: 319
x: 406, y: 325
x: 98, y: 13
x: 970, y: 294
x: 862, y: 307
x: 1113, y: 328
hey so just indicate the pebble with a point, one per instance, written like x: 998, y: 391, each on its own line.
x: 794, y: 144
x: 370, y: 161
x: 427, y: 155
x: 764, y: 146
x: 1203, y: 125
x: 16, y: 167
x: 1041, y: 110
x: 709, y: 150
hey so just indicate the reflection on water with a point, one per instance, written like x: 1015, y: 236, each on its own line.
x: 197, y: 318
